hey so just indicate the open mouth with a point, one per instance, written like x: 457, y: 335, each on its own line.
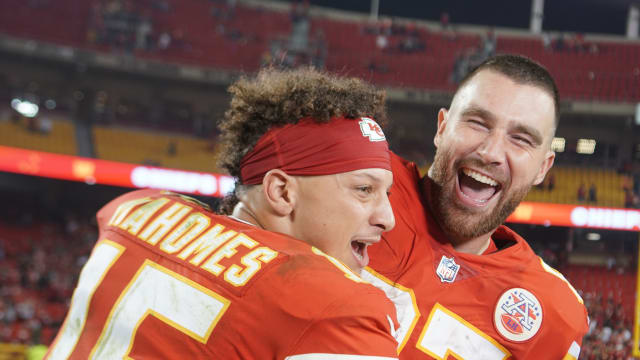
x: 477, y: 188
x: 359, y: 250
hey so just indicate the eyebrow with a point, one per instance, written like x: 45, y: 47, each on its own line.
x: 485, y: 114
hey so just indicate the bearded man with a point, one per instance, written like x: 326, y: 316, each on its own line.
x: 464, y: 285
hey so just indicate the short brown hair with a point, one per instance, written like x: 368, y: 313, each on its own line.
x: 522, y: 70
x: 279, y: 97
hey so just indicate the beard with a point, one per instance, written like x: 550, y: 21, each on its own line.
x: 456, y: 220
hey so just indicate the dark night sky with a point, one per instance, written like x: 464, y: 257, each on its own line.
x: 589, y: 16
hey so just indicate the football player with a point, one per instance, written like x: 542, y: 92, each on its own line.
x: 464, y: 285
x: 278, y: 279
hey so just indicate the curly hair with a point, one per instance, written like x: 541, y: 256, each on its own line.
x: 279, y: 97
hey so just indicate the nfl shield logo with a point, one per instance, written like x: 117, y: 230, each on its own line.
x: 447, y: 269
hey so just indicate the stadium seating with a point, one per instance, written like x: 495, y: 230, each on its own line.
x: 609, y: 185
x: 609, y: 74
x: 145, y: 147
x: 621, y: 287
x: 60, y: 139
x: 63, y: 22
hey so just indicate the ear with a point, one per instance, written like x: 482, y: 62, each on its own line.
x: 442, y: 123
x: 280, y: 192
x: 546, y: 165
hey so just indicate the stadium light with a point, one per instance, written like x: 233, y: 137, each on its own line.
x: 25, y: 108
x: 586, y: 146
x: 593, y: 236
x: 557, y: 144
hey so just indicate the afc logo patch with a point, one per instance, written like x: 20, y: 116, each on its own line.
x: 371, y: 129
x: 518, y: 315
x: 447, y: 269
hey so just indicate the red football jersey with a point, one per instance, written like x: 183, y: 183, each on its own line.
x: 170, y: 280
x: 504, y: 305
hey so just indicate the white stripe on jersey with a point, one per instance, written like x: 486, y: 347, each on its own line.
x: 336, y: 357
x: 574, y: 350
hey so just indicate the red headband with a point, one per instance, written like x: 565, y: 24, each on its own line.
x: 310, y: 148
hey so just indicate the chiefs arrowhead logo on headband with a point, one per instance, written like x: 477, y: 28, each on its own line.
x: 311, y: 148
x: 371, y: 129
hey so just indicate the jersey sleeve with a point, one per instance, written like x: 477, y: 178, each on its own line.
x: 565, y: 321
x: 357, y: 326
x: 560, y: 338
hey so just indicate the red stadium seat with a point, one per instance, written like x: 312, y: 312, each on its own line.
x: 611, y: 74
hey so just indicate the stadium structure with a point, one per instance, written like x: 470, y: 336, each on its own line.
x: 101, y: 96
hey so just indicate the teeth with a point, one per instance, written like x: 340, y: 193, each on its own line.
x: 479, y: 177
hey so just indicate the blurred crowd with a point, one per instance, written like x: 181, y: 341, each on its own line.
x: 129, y: 25
x: 603, y: 289
x: 610, y: 329
x: 39, y: 267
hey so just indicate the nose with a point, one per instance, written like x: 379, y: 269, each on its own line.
x: 382, y: 216
x: 492, y: 148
